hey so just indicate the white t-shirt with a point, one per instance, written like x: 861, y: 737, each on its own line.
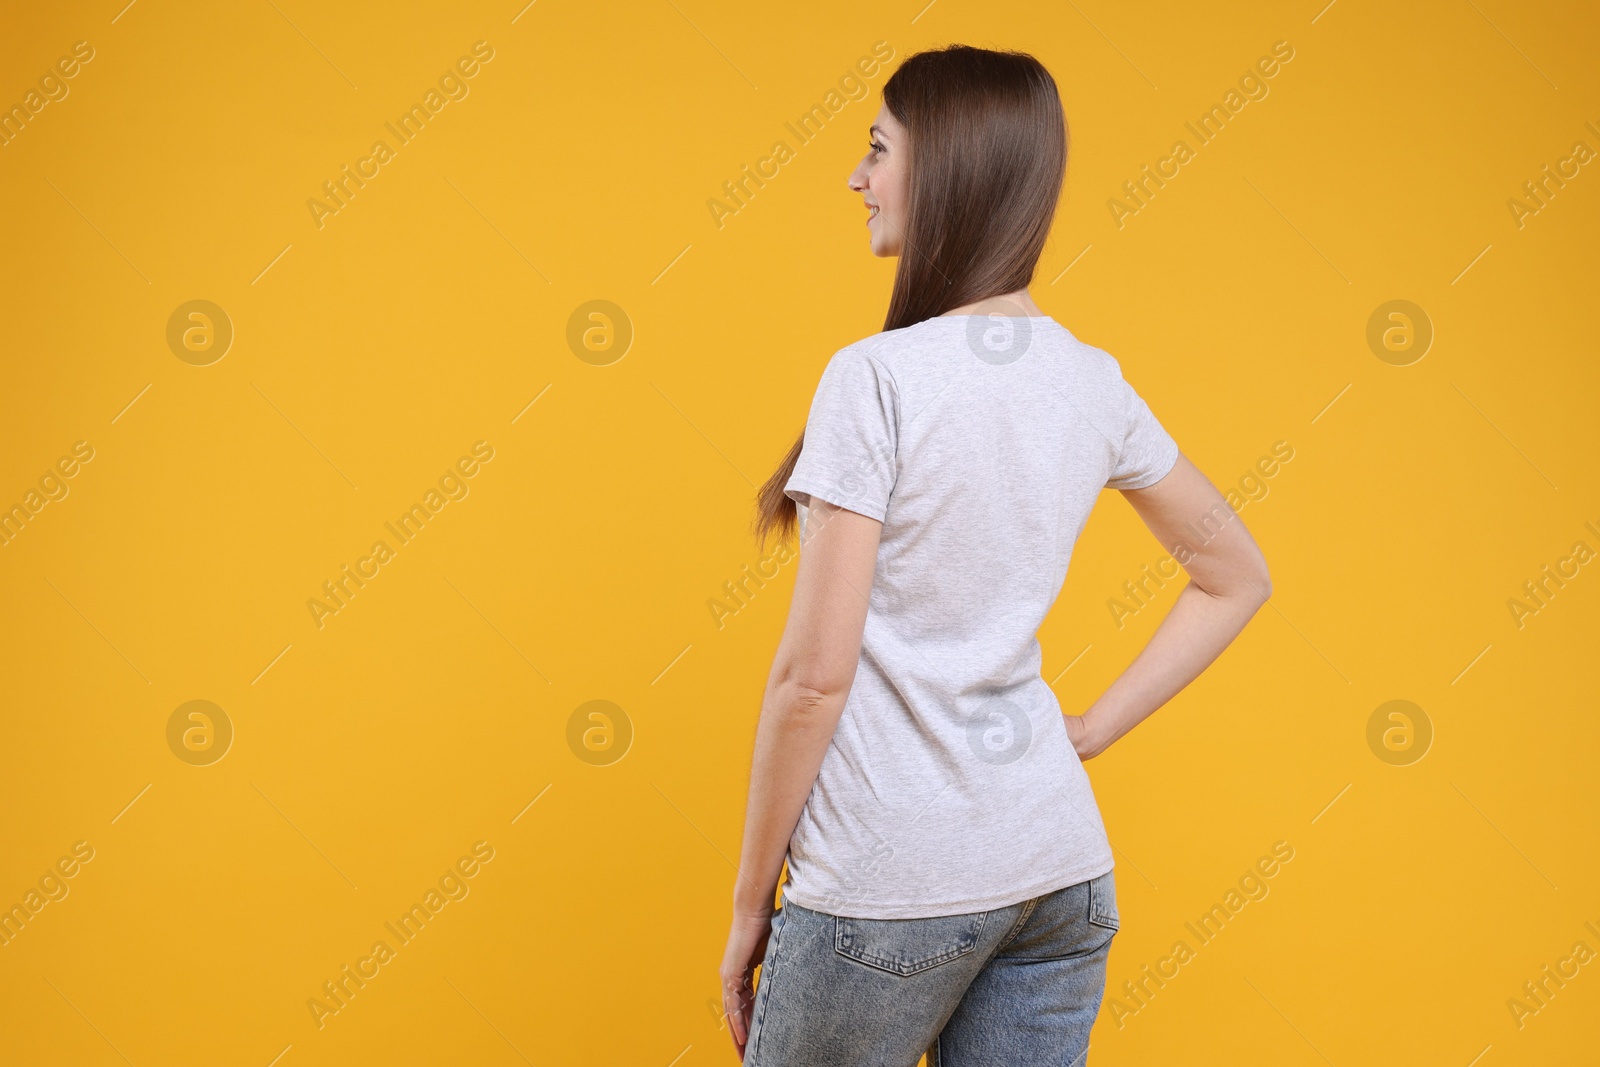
x: 981, y: 443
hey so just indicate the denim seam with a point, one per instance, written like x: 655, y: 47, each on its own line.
x: 921, y: 965
x: 1099, y: 914
x: 1101, y: 947
x: 764, y: 995
x: 1016, y: 927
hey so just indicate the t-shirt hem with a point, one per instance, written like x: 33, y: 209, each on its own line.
x: 928, y: 910
x: 796, y: 489
x: 1146, y: 482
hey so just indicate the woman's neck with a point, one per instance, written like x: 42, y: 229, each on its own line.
x: 1018, y: 305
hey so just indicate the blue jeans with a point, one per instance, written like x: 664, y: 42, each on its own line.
x: 1018, y: 986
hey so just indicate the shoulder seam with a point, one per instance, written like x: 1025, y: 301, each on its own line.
x: 867, y: 348
x: 869, y: 345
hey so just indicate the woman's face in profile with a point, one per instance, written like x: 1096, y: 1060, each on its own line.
x: 881, y: 179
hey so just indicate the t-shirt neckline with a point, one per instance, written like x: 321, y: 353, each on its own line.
x: 987, y: 314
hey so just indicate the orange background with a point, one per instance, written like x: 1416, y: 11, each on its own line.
x: 432, y: 711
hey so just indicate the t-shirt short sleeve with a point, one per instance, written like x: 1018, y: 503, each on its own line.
x: 848, y: 458
x: 1148, y: 452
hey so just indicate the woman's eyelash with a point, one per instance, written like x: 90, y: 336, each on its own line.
x: 875, y: 146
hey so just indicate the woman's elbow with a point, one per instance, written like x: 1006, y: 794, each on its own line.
x: 1259, y: 579
x: 809, y: 687
x: 1245, y: 580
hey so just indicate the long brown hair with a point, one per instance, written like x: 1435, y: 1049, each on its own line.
x: 988, y: 154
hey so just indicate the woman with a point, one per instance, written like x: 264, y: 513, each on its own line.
x: 950, y: 884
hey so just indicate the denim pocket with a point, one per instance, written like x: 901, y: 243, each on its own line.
x: 1103, y: 902
x: 907, y: 946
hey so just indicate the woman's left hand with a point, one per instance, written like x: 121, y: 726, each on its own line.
x: 1080, y: 731
x: 747, y: 946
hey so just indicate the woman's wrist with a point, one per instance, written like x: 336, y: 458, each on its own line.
x: 1094, y: 739
x: 749, y: 904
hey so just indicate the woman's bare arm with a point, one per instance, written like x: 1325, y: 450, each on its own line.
x: 811, y: 677
x: 1227, y: 585
x: 812, y: 673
